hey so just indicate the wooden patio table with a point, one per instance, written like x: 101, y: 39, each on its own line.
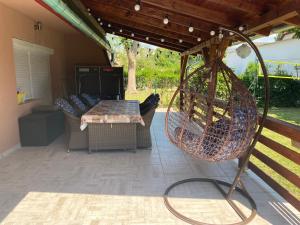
x: 112, y: 124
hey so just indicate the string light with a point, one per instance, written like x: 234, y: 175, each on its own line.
x: 162, y: 40
x: 137, y: 6
x: 241, y: 28
x: 230, y: 33
x: 212, y: 33
x: 180, y: 40
x: 166, y: 20
x: 101, y: 24
x: 113, y: 33
x: 109, y: 25
x: 191, y: 29
x: 88, y: 9
x: 99, y: 19
x: 121, y: 30
x: 198, y: 39
x: 132, y: 34
x: 220, y: 35
x: 147, y: 38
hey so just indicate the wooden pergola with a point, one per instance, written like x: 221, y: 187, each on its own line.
x: 256, y: 16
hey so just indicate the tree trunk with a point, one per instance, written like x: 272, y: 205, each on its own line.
x: 131, y: 54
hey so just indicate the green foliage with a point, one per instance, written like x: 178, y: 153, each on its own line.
x: 251, y: 70
x: 284, y: 91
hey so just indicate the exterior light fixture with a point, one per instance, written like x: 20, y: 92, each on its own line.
x: 132, y: 34
x: 191, y: 29
x: 99, y: 19
x: 212, y: 33
x: 180, y: 40
x: 121, y: 30
x: 198, y: 39
x: 137, y: 6
x: 166, y: 20
x: 147, y: 38
x: 162, y: 40
x: 109, y: 25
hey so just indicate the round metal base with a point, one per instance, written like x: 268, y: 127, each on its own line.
x: 218, y: 184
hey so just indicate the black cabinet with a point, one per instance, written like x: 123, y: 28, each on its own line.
x: 101, y: 82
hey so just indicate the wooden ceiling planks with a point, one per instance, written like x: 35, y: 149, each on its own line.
x: 124, y: 13
x: 258, y: 16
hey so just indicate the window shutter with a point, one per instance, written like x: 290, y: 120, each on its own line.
x: 32, y: 64
x: 40, y: 75
x: 22, y: 67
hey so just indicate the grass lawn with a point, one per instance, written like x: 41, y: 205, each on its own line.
x: 291, y: 115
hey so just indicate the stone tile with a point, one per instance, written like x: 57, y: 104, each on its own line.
x: 47, y: 185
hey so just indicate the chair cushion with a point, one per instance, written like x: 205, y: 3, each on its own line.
x: 64, y: 105
x: 89, y: 99
x: 78, y: 103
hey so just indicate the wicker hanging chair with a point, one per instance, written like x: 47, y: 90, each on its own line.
x: 219, y: 118
x: 212, y: 116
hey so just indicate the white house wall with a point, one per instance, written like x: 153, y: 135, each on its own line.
x: 286, y: 50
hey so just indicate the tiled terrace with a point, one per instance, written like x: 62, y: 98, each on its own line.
x: 47, y: 185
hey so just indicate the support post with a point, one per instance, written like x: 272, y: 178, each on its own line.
x: 183, y: 64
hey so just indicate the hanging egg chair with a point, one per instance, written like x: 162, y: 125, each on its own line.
x: 212, y: 116
x: 219, y: 118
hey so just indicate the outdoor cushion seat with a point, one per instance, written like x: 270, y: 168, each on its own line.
x: 78, y: 103
x: 150, y: 101
x: 65, y: 106
x: 89, y: 99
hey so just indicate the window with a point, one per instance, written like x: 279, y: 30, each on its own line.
x: 32, y: 66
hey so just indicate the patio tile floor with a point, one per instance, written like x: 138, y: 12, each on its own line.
x: 47, y: 185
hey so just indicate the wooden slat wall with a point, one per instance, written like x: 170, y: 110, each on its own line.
x: 290, y: 131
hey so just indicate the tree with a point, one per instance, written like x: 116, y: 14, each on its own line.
x: 123, y: 46
x: 131, y: 51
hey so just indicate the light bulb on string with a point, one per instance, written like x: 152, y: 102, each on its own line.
x: 166, y: 20
x: 137, y: 6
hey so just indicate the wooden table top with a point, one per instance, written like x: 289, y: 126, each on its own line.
x: 114, y: 111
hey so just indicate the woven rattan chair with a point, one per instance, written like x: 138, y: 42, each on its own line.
x: 143, y: 133
x: 76, y: 138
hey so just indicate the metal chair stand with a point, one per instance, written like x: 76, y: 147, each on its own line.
x: 218, y: 184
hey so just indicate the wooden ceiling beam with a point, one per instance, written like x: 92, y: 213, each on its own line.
x: 116, y: 11
x: 242, y: 5
x: 284, y: 12
x: 147, y: 28
x: 295, y: 21
x: 116, y: 28
x: 141, y: 39
x: 157, y: 13
x: 193, y: 10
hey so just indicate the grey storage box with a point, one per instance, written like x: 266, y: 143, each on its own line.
x: 41, y: 128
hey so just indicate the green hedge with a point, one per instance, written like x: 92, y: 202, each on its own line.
x: 284, y: 92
